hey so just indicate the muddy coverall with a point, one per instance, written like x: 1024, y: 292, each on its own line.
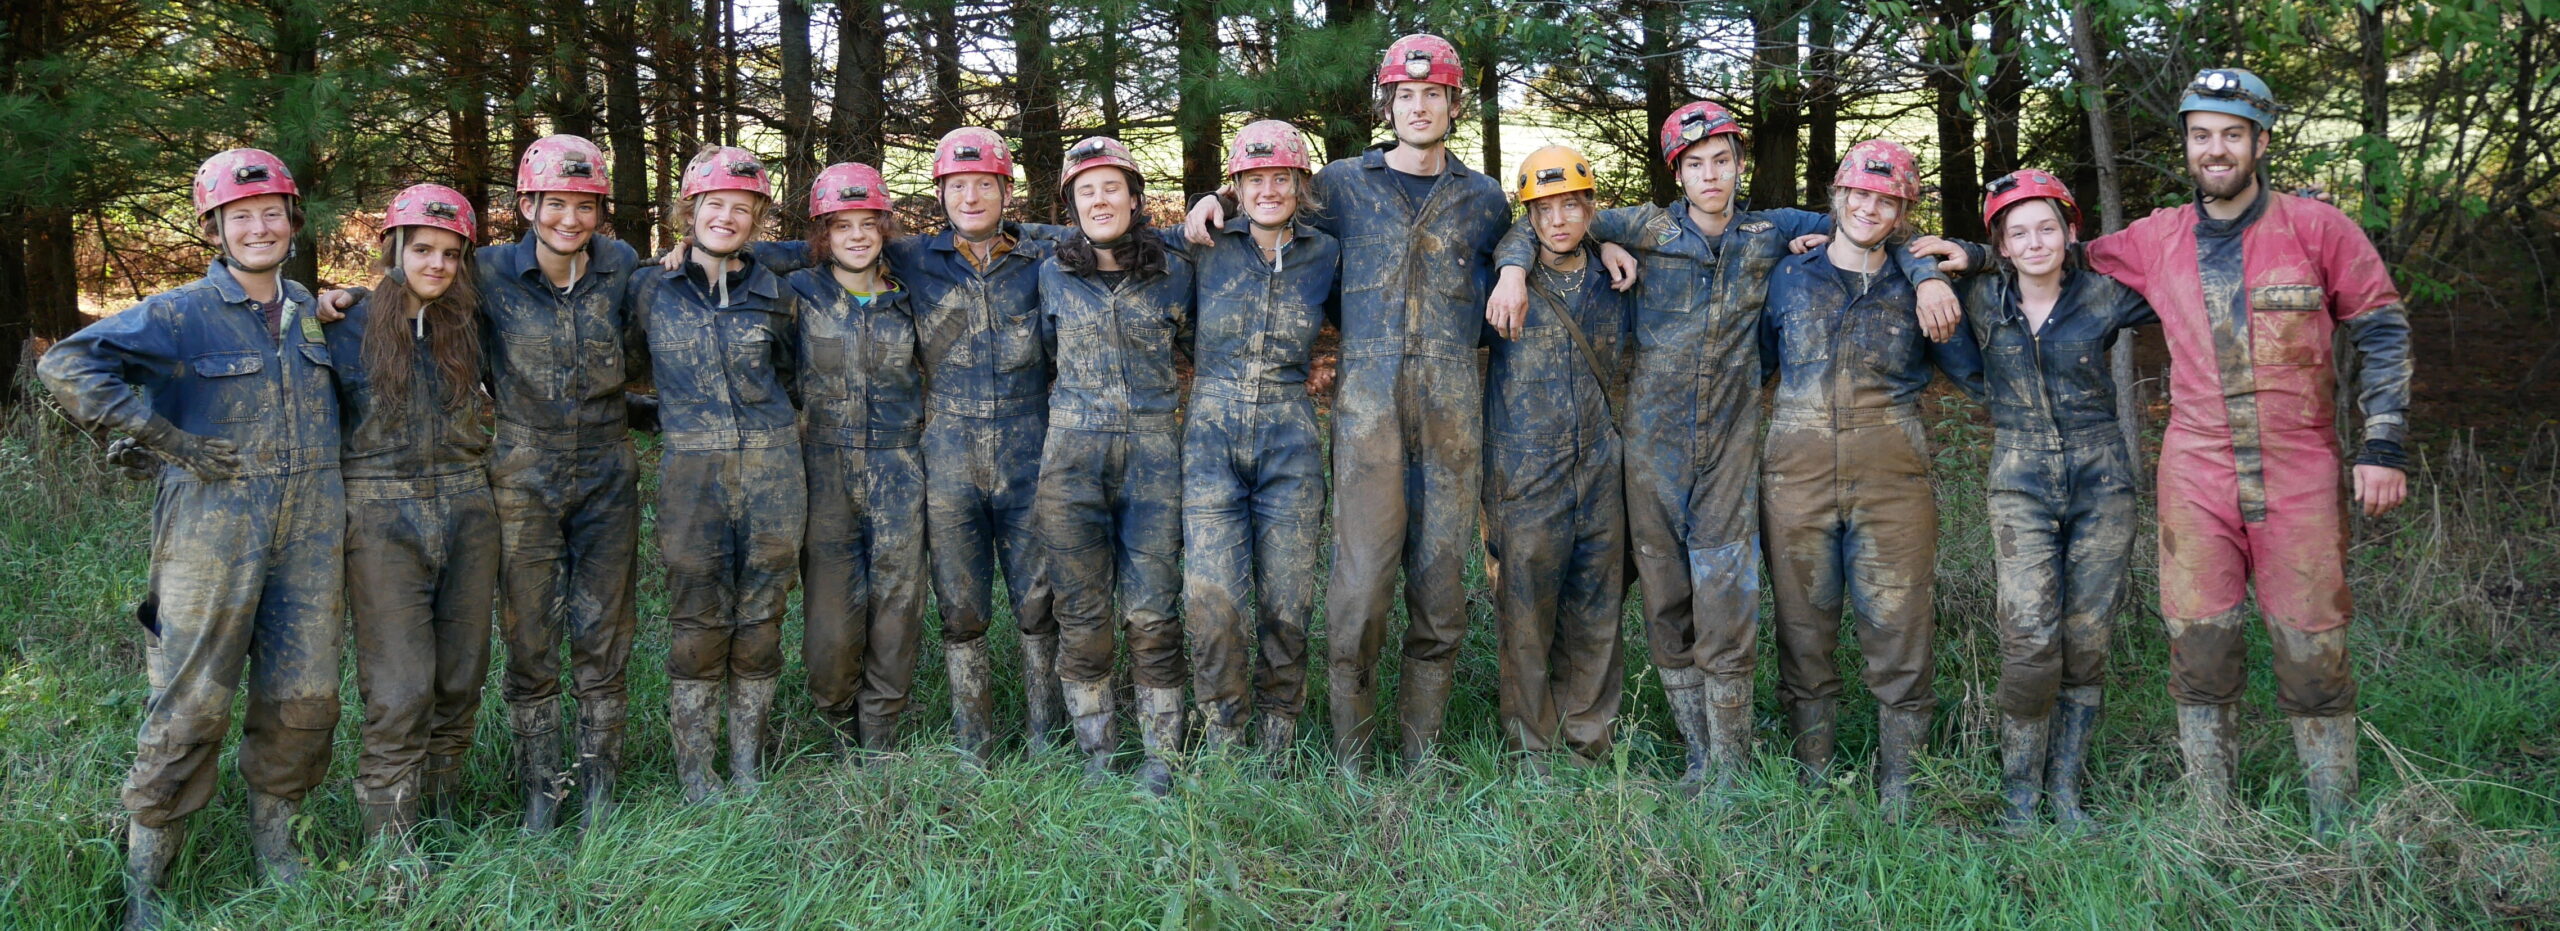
x: 1408, y: 431
x: 567, y: 486
x: 245, y: 569
x: 1846, y: 507
x: 861, y: 413
x: 422, y: 563
x: 1555, y: 502
x: 2249, y: 462
x: 1253, y: 476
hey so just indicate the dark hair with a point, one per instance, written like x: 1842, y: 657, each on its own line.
x: 821, y: 252
x: 453, y: 332
x: 1138, y: 252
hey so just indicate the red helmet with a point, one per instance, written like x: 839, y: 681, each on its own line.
x: 1098, y: 152
x: 971, y: 148
x: 847, y: 186
x: 239, y: 174
x: 1421, y: 57
x: 431, y: 205
x: 563, y: 163
x: 1691, y: 124
x: 1882, y: 167
x: 2021, y: 185
x: 726, y: 168
x: 1268, y: 144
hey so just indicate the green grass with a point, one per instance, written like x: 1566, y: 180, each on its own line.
x: 2457, y: 643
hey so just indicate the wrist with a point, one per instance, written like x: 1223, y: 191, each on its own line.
x: 2385, y: 453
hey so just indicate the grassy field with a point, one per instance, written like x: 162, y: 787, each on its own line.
x: 2458, y: 646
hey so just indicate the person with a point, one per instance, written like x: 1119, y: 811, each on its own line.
x: 237, y: 394
x: 2250, y: 285
x: 1417, y: 228
x: 422, y: 529
x: 1253, y: 465
x: 861, y: 411
x: 733, y: 502
x: 2060, y: 484
x: 1117, y: 302
x: 1846, y: 506
x: 1692, y: 447
x: 1554, y: 499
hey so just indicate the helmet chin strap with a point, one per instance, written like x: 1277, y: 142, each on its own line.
x: 719, y: 276
x: 220, y: 235
x: 577, y: 260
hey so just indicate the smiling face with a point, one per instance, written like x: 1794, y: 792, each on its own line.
x: 723, y: 221
x: 562, y: 222
x: 2034, y: 236
x: 1269, y: 195
x: 1105, y: 204
x: 1419, y: 112
x: 257, y: 232
x: 1561, y: 220
x: 855, y: 238
x: 974, y: 202
x: 1865, y: 217
x: 1709, y: 171
x: 430, y: 258
x: 2223, y: 152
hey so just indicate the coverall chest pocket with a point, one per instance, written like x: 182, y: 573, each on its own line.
x: 2010, y: 371
x: 1802, y: 337
x: 375, y: 431
x: 751, y: 345
x: 2285, y: 325
x: 1672, y: 281
x: 1288, y: 332
x: 236, y: 394
x: 2076, y: 369
x: 893, y: 353
x: 601, y: 362
x: 1151, y: 352
x: 828, y: 375
x: 529, y: 365
x: 1367, y: 262
x: 1017, y: 339
x: 1084, y: 355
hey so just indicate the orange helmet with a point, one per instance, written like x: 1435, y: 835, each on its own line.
x: 1554, y: 170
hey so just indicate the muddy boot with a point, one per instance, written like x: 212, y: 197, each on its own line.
x: 1728, y: 728
x: 271, y: 837
x: 693, y: 715
x: 438, y: 786
x: 537, y: 732
x: 1814, y: 726
x: 1422, y: 702
x: 1043, y: 711
x: 1686, y: 688
x: 750, y: 711
x: 1899, y: 736
x: 1222, y: 726
x: 147, y: 855
x: 879, y: 733
x: 1275, y: 735
x: 1089, y: 706
x: 844, y: 735
x: 2327, y: 747
x: 2075, y: 717
x: 2022, y: 764
x: 387, y: 817
x: 972, y: 706
x: 1355, y: 716
x: 2206, y: 738
x: 1160, y: 731
x: 600, y: 722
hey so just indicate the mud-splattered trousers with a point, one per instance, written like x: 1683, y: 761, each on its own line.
x: 1555, y: 509
x: 563, y: 473
x: 2060, y: 482
x: 1408, y: 429
x: 1253, y: 472
x: 861, y: 413
x: 245, y: 569
x: 1846, y: 506
x: 1110, y: 500
x: 986, y: 418
x: 422, y: 559
x: 2249, y: 463
x: 732, y: 502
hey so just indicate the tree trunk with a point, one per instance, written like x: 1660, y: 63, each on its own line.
x: 1822, y: 90
x: 1043, y: 148
x: 1195, y: 39
x: 2092, y: 81
x: 1959, y: 175
x: 799, y: 150
x: 2373, y: 48
x: 855, y: 124
x: 2007, y: 94
x: 715, y: 70
x: 1773, y: 132
x: 1350, y: 96
x: 53, y: 273
x: 945, y: 23
x: 1660, y: 24
x: 471, y: 156
x: 573, y: 111
x: 626, y: 126
x: 1488, y: 65
x: 296, y: 64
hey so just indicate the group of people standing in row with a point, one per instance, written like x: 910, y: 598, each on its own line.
x: 865, y: 410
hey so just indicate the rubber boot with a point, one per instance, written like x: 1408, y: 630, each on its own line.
x: 438, y: 785
x: 2075, y: 717
x: 750, y: 714
x: 879, y: 733
x: 972, y: 706
x: 1354, y: 709
x: 1089, y: 705
x: 1422, y: 702
x: 2206, y: 739
x: 1899, y: 736
x: 148, y: 852
x: 693, y: 714
x: 1160, y: 731
x: 1043, y: 712
x: 1275, y: 734
x: 537, y: 732
x: 271, y: 837
x: 387, y: 817
x: 600, y: 723
x: 844, y: 734
x: 1728, y: 728
x: 1686, y: 689
x: 1815, y: 727
x: 2023, y: 755
x: 1217, y: 737
x: 2327, y: 747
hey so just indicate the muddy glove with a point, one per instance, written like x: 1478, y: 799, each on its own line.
x: 209, y: 458
x: 129, y: 457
